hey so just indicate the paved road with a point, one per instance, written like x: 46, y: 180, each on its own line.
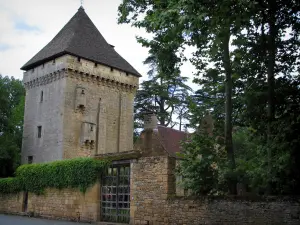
x: 24, y: 220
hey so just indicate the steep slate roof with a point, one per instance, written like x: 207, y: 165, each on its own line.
x: 81, y: 38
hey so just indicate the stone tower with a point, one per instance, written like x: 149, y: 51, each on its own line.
x: 79, y: 96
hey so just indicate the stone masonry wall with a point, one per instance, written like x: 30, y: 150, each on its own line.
x: 47, y: 112
x: 11, y: 203
x: 68, y: 204
x: 154, y: 202
x: 108, y: 105
x: 151, y: 182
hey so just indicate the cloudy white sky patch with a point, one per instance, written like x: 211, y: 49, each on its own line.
x: 27, y: 26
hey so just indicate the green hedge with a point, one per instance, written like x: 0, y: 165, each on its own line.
x: 10, y: 185
x: 74, y: 173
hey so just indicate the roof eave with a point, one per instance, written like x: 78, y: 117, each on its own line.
x: 37, y: 63
x: 27, y: 66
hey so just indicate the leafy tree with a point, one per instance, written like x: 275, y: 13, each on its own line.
x: 11, y: 122
x: 165, y: 91
x: 200, y: 159
x: 208, y: 25
x: 266, y: 55
x: 246, y: 56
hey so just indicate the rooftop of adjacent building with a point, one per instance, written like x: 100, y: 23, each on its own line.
x: 81, y: 38
x: 171, y: 138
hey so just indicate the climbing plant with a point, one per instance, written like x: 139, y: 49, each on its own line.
x: 74, y: 173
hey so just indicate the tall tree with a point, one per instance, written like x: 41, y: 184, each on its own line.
x: 207, y: 25
x: 268, y: 49
x: 246, y: 53
x: 11, y: 124
x: 165, y: 90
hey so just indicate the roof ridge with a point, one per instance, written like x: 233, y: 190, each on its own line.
x: 172, y: 129
x: 74, y: 28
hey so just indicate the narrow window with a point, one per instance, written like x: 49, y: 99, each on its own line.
x: 30, y: 159
x: 43, y: 65
x: 42, y: 96
x: 111, y: 69
x: 82, y: 92
x: 39, y: 131
x: 127, y: 74
x: 53, y: 62
x: 96, y: 64
x: 78, y: 59
x: 92, y: 128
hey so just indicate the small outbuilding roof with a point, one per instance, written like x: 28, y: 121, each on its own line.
x: 171, y: 139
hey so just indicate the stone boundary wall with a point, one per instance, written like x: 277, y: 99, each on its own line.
x: 154, y: 202
x: 11, y: 203
x: 67, y: 204
x: 219, y: 212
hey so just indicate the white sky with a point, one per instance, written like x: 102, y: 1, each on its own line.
x: 28, y: 25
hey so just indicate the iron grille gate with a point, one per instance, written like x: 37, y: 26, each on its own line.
x: 115, y: 194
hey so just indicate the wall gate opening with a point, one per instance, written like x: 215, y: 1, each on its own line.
x: 115, y: 194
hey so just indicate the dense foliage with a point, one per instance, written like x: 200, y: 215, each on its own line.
x: 73, y: 173
x: 10, y: 185
x: 246, y: 56
x: 12, y: 99
x: 165, y: 92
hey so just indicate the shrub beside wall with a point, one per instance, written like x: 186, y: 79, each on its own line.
x: 73, y: 173
x: 10, y: 185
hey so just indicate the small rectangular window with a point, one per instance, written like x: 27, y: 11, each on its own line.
x: 42, y: 96
x: 39, y: 131
x: 30, y: 159
x: 96, y: 64
x: 53, y: 62
x: 111, y: 69
x: 78, y: 59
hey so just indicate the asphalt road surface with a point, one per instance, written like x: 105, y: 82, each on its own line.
x: 24, y: 220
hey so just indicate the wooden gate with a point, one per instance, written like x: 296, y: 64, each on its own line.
x: 115, y: 194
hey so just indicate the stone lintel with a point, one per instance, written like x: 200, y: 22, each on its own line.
x: 119, y: 155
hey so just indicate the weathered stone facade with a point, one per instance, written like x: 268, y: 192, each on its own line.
x: 107, y: 104
x: 153, y: 202
x: 69, y: 204
x: 11, y: 203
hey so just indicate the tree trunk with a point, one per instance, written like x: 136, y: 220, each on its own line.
x: 228, y: 109
x: 180, y: 122
x: 271, y: 82
x: 162, y: 116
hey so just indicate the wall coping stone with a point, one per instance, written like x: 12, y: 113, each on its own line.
x: 236, y: 198
x: 120, y: 155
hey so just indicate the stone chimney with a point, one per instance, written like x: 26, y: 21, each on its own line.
x: 150, y: 121
x: 207, y: 124
x: 150, y: 126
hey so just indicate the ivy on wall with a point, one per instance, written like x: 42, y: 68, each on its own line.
x: 73, y: 173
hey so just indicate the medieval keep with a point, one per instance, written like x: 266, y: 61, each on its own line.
x: 79, y: 103
x: 79, y: 96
